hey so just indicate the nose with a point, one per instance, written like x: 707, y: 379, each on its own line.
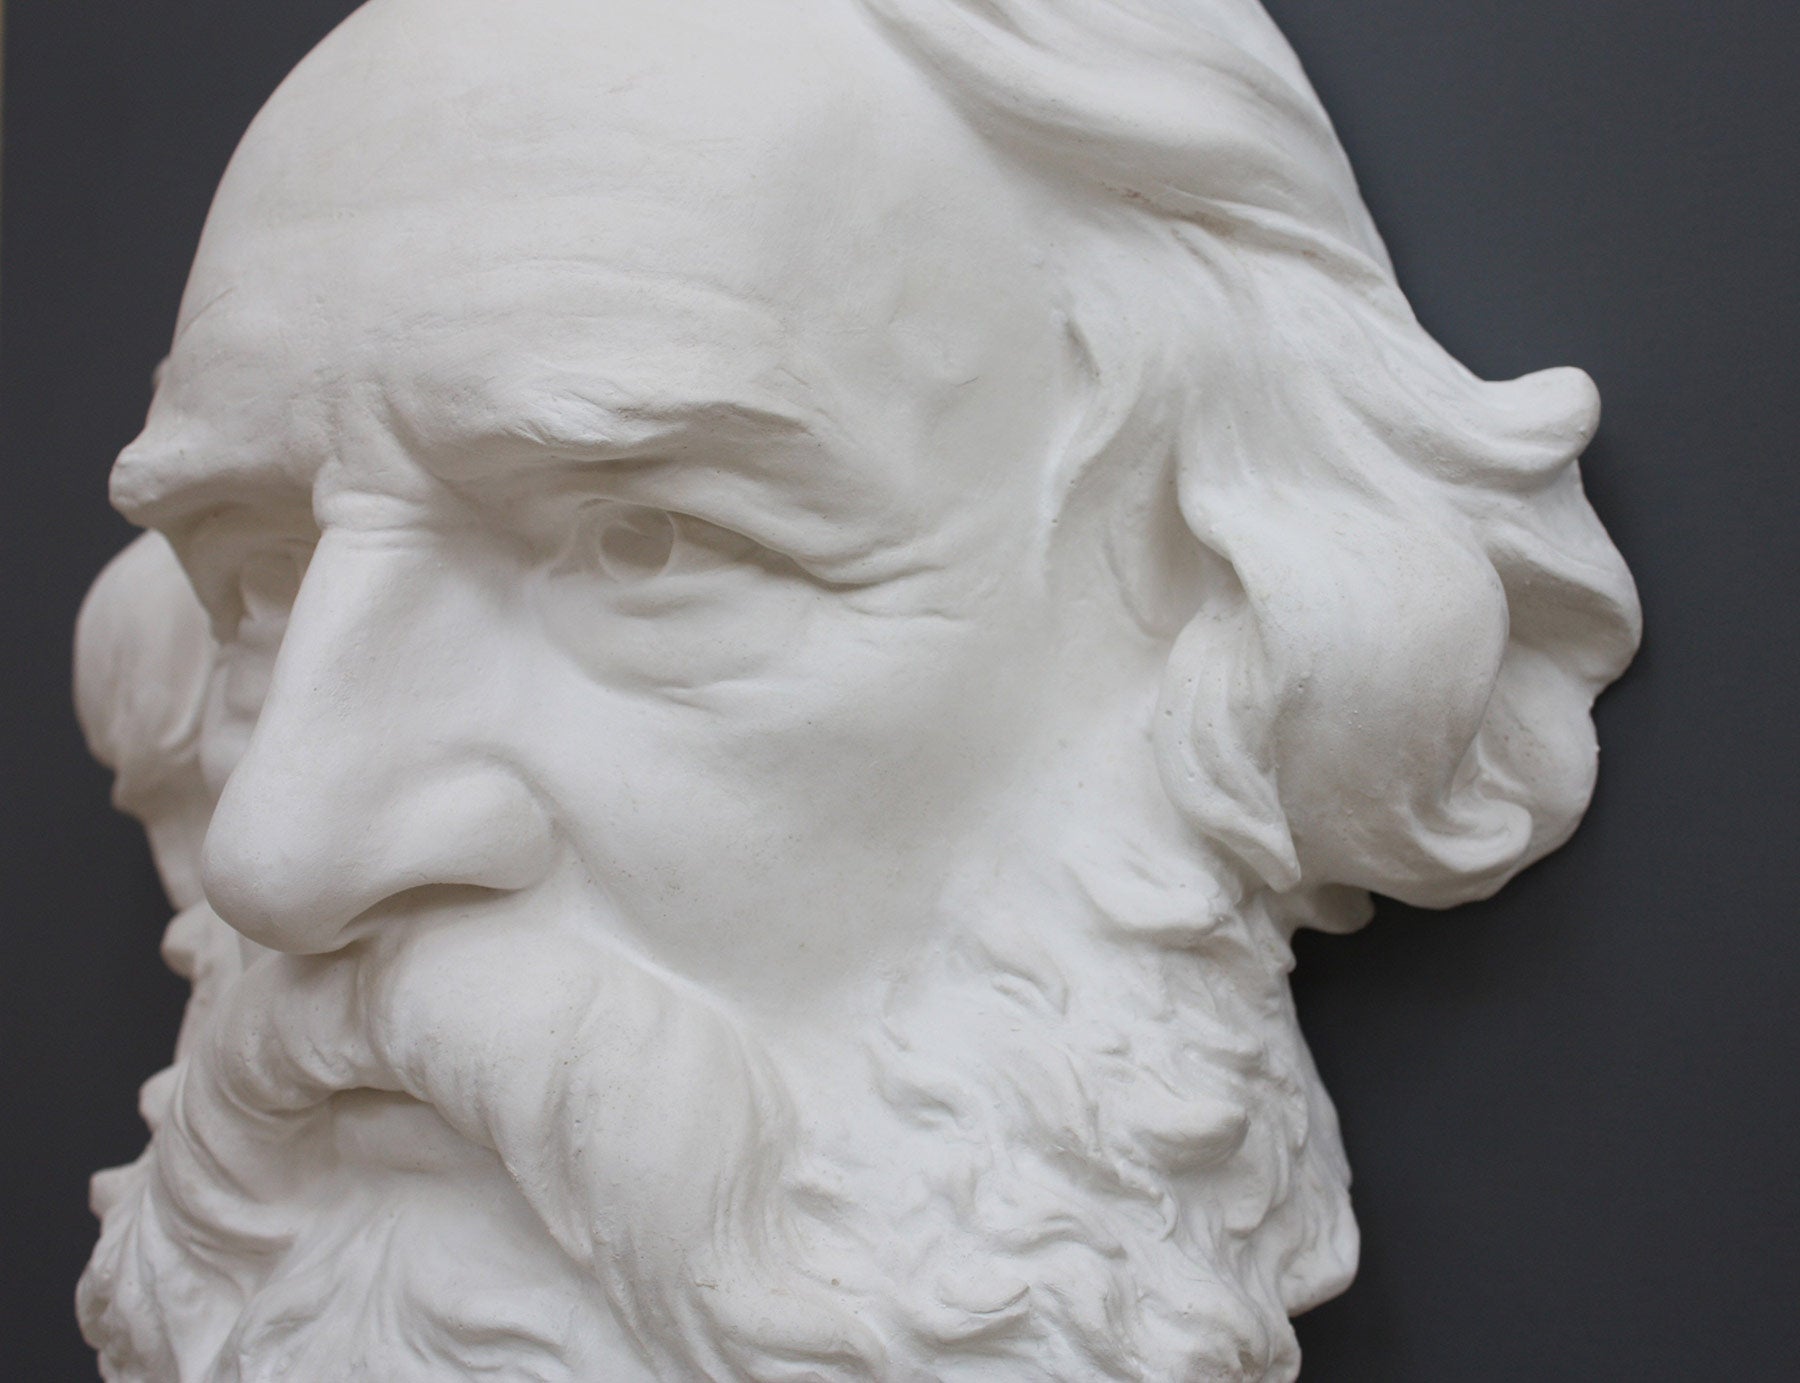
x: 380, y: 760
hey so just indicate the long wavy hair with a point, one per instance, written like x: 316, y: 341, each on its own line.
x: 1400, y: 605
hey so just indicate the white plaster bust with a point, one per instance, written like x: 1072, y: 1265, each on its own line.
x: 771, y: 612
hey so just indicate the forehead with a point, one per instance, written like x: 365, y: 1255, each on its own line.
x: 458, y: 213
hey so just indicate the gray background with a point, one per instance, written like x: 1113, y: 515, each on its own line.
x: 1572, y: 1110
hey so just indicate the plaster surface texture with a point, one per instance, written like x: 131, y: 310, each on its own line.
x: 761, y: 620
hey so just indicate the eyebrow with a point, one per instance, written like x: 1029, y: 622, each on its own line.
x: 567, y: 427
x: 155, y: 476
x: 155, y: 483
x: 706, y: 454
x: 465, y: 414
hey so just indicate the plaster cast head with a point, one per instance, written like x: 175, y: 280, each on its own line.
x: 799, y: 598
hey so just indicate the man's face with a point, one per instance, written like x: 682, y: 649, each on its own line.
x: 609, y: 505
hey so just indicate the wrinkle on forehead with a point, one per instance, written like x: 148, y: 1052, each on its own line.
x: 609, y: 352
x: 777, y: 148
x: 785, y: 126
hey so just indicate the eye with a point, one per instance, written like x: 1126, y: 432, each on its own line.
x: 251, y: 623
x: 628, y: 542
x: 656, y: 598
x: 246, y: 568
x: 633, y: 544
x: 266, y: 584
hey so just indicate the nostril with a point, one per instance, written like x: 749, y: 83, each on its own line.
x: 310, y: 874
x: 425, y: 905
x: 328, y: 923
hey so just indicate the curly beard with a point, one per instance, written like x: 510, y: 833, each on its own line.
x: 1088, y: 1143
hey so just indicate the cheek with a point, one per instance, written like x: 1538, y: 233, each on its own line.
x: 882, y: 723
x: 804, y: 817
x: 814, y: 713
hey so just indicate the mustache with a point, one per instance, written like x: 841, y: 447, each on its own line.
x: 633, y: 1118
